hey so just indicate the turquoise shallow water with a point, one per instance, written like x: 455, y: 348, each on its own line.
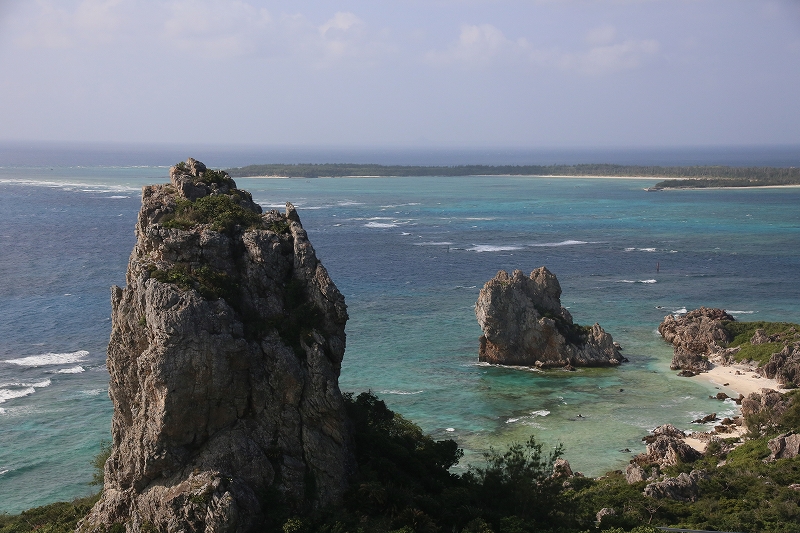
x: 410, y: 255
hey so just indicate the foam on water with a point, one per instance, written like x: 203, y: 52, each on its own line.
x: 71, y: 370
x: 401, y: 392
x: 380, y: 225
x: 739, y: 312
x: 443, y: 243
x: 10, y: 394
x: 561, y: 243
x: 47, y: 359
x: 480, y: 248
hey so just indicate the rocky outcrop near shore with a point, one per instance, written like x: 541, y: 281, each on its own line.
x: 667, y: 447
x: 695, y: 336
x: 784, y: 366
x: 224, y: 358
x: 524, y: 324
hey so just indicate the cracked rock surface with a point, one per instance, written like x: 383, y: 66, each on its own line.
x: 524, y: 323
x: 224, y: 358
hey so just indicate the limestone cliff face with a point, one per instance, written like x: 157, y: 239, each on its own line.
x: 523, y: 323
x: 224, y: 357
x: 696, y: 336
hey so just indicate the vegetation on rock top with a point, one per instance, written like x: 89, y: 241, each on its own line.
x: 220, y: 210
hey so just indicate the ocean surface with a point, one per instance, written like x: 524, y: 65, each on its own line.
x: 410, y: 255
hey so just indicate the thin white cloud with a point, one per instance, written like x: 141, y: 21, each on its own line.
x: 343, y: 36
x: 626, y: 55
x: 480, y: 45
x: 52, y: 25
x: 217, y: 29
x: 485, y: 45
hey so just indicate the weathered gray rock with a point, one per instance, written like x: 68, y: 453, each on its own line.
x: 784, y: 446
x: 224, y: 358
x: 603, y: 513
x: 634, y: 473
x: 695, y: 336
x: 784, y: 366
x: 762, y: 410
x: 562, y: 468
x: 666, y: 447
x: 523, y: 323
x: 680, y: 488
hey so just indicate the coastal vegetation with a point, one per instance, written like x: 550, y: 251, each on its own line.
x: 777, y: 334
x: 678, y: 176
x: 404, y: 485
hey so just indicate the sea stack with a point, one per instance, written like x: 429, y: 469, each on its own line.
x: 225, y: 352
x: 524, y: 324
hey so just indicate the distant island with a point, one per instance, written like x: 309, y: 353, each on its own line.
x: 678, y: 177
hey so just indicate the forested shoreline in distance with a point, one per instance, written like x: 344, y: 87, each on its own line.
x: 676, y: 177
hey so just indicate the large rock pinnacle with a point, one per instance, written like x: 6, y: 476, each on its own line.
x: 524, y: 323
x: 224, y: 357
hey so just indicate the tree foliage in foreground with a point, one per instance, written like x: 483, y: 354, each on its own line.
x: 404, y: 485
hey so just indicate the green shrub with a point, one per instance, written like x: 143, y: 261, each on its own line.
x: 211, y: 284
x: 220, y: 210
x: 99, y: 463
x: 61, y: 517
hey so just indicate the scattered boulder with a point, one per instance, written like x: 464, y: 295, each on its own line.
x: 681, y: 488
x: 523, y: 323
x: 784, y: 446
x: 706, y: 419
x: 225, y: 352
x: 695, y: 336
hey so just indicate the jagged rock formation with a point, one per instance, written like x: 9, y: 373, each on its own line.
x: 681, y: 488
x: 666, y: 447
x: 524, y: 323
x: 224, y: 357
x: 762, y: 410
x: 695, y: 336
x: 784, y: 446
x: 784, y: 366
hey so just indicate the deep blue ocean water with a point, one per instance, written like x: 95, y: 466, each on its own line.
x: 410, y: 255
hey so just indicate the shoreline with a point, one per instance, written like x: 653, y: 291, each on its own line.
x: 738, y: 378
x: 640, y: 178
x: 733, y: 380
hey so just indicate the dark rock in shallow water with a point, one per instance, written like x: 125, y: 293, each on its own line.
x: 524, y: 324
x: 225, y: 352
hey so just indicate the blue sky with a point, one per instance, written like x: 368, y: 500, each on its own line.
x: 535, y: 73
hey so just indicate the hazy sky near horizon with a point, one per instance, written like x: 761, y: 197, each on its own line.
x: 439, y: 73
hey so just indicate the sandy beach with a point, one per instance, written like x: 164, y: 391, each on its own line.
x: 737, y: 379
x: 732, y: 380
